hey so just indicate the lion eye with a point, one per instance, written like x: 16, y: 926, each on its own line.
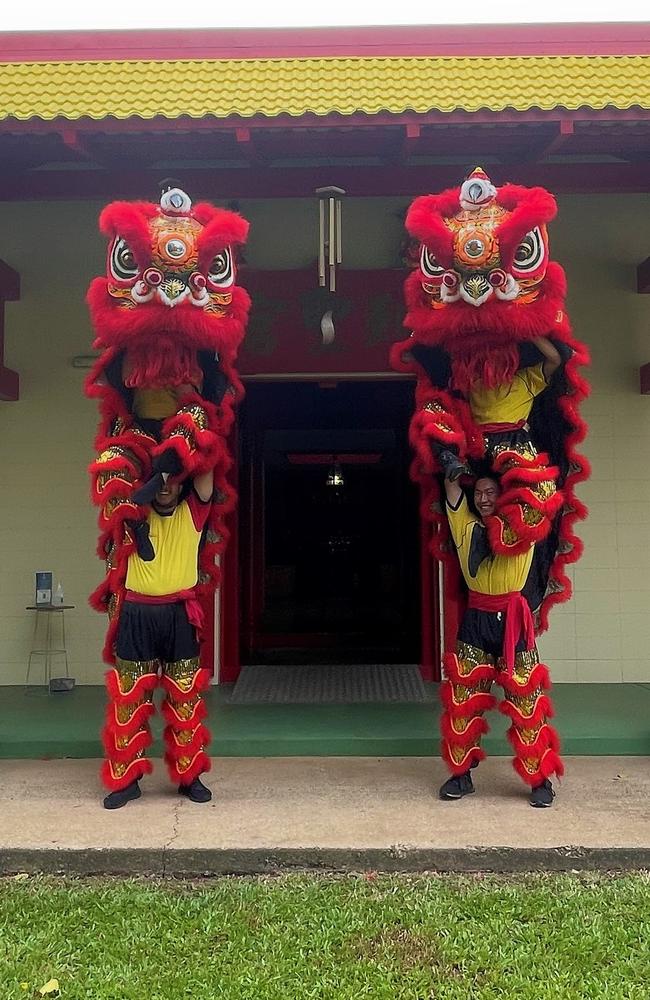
x: 122, y: 262
x: 221, y: 269
x: 429, y: 265
x: 530, y: 252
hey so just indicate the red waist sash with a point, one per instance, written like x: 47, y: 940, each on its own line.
x: 519, y: 620
x: 502, y: 428
x: 193, y: 607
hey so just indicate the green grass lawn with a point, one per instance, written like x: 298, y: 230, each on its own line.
x: 302, y: 937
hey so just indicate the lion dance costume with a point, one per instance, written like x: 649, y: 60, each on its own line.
x: 484, y: 289
x: 168, y: 319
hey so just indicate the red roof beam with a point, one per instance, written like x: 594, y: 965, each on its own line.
x: 300, y: 182
x: 310, y: 121
x: 286, y: 43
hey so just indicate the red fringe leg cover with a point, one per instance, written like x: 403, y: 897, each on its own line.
x: 465, y: 695
x: 126, y: 733
x: 535, y: 742
x: 528, y: 502
x: 570, y: 547
x: 185, y: 735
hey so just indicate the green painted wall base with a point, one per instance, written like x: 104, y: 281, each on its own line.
x: 592, y: 719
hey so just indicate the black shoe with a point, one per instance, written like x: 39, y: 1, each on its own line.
x: 452, y: 466
x: 196, y: 791
x: 120, y: 798
x: 146, y: 493
x: 541, y: 797
x: 140, y: 532
x: 479, y: 548
x: 457, y: 786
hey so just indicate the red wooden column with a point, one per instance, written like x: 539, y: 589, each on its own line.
x: 228, y: 593
x: 643, y: 288
x: 9, y: 292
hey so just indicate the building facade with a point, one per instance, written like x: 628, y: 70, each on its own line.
x: 262, y: 120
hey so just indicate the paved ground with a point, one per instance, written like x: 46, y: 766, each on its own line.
x: 345, y: 813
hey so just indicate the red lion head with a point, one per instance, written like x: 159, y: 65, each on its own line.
x: 170, y: 278
x: 484, y: 280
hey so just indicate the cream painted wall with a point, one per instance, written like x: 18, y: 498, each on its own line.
x: 47, y: 521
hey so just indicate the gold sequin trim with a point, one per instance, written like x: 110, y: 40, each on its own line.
x: 525, y: 702
x: 529, y: 735
x: 545, y: 490
x: 471, y: 656
x: 523, y: 448
x: 131, y: 670
x: 184, y: 709
x: 198, y: 415
x: 182, y: 672
x: 458, y: 754
x: 524, y: 663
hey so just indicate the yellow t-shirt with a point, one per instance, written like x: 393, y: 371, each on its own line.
x: 509, y: 403
x: 497, y: 575
x: 155, y: 404
x: 175, y: 539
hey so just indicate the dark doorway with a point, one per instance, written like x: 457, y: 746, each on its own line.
x: 330, y: 543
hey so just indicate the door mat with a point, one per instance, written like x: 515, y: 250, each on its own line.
x: 328, y: 684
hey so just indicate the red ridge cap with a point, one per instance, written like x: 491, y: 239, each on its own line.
x: 277, y: 43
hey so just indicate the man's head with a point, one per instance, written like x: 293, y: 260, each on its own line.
x: 167, y: 497
x: 486, y: 494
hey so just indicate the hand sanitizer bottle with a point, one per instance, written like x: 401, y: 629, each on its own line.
x: 58, y: 595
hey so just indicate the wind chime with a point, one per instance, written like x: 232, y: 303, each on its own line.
x: 329, y: 249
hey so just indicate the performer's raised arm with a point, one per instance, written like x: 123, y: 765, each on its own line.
x: 453, y: 492
x: 552, y: 359
x: 204, y: 486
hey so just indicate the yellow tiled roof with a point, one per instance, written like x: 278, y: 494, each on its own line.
x: 249, y: 87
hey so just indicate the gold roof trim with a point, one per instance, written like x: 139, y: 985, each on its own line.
x: 251, y: 87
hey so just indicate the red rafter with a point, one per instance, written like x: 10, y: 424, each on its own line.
x: 558, y: 141
x: 72, y: 141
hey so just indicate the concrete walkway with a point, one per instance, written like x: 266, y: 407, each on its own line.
x: 351, y: 813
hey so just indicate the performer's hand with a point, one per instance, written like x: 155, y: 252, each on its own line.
x: 168, y: 461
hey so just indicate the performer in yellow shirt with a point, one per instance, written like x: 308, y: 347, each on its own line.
x: 496, y: 642
x: 157, y: 642
x: 499, y: 432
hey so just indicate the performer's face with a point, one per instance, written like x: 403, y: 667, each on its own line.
x: 166, y: 499
x: 486, y: 493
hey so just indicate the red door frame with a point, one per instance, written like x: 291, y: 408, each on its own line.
x: 227, y: 621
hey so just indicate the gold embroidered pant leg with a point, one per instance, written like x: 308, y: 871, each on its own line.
x: 528, y: 706
x: 186, y: 737
x: 126, y: 735
x: 465, y: 694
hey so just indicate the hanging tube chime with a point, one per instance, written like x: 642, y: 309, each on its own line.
x: 329, y: 235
